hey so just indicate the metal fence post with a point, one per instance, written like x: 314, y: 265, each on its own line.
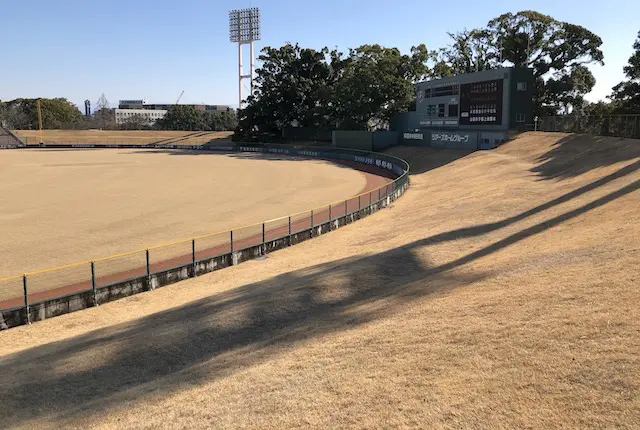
x: 289, y: 230
x: 359, y: 206
x: 346, y: 210
x: 26, y: 298
x: 233, y: 259
x: 264, y: 243
x: 193, y: 256
x: 148, y: 269
x: 330, y: 223
x: 93, y: 283
x: 378, y: 195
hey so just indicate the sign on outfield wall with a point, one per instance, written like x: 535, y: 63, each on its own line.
x: 454, y: 139
x: 441, y: 138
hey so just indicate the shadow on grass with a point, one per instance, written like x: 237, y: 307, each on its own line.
x: 226, y: 332
x: 479, y: 230
x: 578, y: 153
x: 343, y: 164
x: 424, y: 159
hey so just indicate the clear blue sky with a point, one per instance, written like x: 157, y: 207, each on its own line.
x: 154, y: 49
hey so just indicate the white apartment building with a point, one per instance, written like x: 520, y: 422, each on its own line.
x: 151, y: 115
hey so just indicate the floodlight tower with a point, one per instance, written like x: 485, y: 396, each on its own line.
x: 244, y: 29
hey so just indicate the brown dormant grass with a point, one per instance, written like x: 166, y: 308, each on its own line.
x: 64, y: 206
x: 135, y: 137
x: 500, y: 292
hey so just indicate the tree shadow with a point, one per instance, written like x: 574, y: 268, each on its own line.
x: 226, y: 332
x: 479, y: 230
x: 576, y: 154
x: 343, y: 164
x: 423, y: 159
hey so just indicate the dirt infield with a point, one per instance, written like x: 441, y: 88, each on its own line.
x: 126, y: 203
x: 501, y: 291
x: 32, y: 137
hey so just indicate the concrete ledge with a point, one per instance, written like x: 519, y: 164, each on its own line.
x: 119, y: 290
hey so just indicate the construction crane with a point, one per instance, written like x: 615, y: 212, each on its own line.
x: 179, y: 97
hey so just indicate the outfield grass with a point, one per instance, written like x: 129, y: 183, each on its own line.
x: 66, y: 206
x: 500, y: 292
x: 32, y: 137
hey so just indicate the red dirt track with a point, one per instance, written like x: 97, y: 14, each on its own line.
x: 376, y: 178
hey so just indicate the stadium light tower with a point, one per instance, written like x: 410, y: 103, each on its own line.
x: 244, y: 28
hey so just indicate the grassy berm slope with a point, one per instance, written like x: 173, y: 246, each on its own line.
x: 501, y: 292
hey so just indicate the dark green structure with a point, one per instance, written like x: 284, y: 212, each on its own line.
x: 475, y: 110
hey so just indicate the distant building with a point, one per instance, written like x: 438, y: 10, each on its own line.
x: 142, y: 104
x: 131, y: 104
x: 150, y: 115
x: 153, y: 112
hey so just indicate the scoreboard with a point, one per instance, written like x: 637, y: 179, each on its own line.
x: 481, y: 103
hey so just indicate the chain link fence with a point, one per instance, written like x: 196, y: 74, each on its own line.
x: 212, y: 245
x: 119, y: 268
x: 11, y: 292
x: 605, y: 125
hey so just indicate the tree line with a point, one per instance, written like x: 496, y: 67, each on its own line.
x: 365, y: 87
x: 60, y: 113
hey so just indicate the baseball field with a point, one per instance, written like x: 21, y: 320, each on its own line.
x: 66, y: 206
x: 501, y: 291
x: 135, y: 137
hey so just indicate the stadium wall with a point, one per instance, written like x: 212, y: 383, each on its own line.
x: 450, y: 139
x: 353, y: 139
x: 344, y: 213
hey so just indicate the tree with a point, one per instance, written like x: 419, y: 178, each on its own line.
x: 554, y: 49
x: 182, y: 117
x: 627, y: 93
x: 104, y: 118
x: 471, y: 51
x: 136, y: 122
x: 441, y: 66
x: 56, y: 113
x: 326, y: 89
x: 13, y: 116
x: 599, y: 109
x: 293, y: 86
x: 104, y: 114
x: 569, y: 89
x: 220, y: 121
x: 377, y: 83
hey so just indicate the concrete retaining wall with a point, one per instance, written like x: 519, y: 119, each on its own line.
x: 85, y: 299
x: 385, y: 139
x: 352, y: 139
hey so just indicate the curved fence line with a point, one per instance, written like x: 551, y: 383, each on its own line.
x: 26, y: 292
